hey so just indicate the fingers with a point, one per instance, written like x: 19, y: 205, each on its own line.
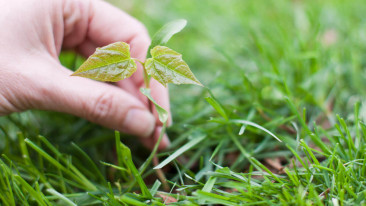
x: 98, y: 102
x: 99, y: 23
x: 92, y: 23
x: 107, y: 24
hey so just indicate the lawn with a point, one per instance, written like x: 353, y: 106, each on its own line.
x: 292, y: 70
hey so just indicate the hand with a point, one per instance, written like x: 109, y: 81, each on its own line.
x: 33, y: 32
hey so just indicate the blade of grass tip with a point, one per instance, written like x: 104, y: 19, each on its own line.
x: 96, y: 197
x: 358, y: 134
x: 20, y: 196
x: 119, y: 154
x: 217, y: 149
x: 155, y: 187
x: 40, y: 158
x: 216, y: 105
x: 318, y: 141
x: 65, y: 200
x: 126, y: 153
x: 121, y: 160
x: 28, y: 161
x: 208, y: 187
x: 69, y: 164
x: 5, y: 170
x: 214, y: 198
x: 249, y: 185
x: 308, y: 150
x: 237, y: 143
x: 242, y: 129
x: 181, y: 150
x: 38, y: 189
x: 256, y: 162
x: 282, y: 78
x: 112, y: 200
x: 333, y: 156
x: 90, y: 162
x: 33, y: 193
x: 170, y: 193
x: 240, y: 121
x: 293, y: 178
x: 114, y: 166
x: 298, y: 157
x: 23, y: 149
x: 337, y: 140
x: 81, y: 179
x: 301, y: 119
x: 349, y: 139
x: 131, y: 200
x: 62, y: 183
x: 179, y: 173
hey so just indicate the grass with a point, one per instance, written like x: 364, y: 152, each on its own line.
x: 294, y: 69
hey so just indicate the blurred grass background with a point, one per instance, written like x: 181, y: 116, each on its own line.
x: 316, y: 47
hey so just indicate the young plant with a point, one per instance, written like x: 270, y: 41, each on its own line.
x: 113, y: 63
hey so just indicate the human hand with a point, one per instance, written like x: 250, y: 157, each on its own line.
x: 31, y: 76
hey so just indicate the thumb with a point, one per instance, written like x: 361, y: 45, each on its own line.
x: 98, y: 102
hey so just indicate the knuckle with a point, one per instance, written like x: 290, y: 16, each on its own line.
x: 13, y: 96
x: 102, y: 107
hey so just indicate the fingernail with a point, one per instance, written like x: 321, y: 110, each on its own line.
x: 139, y: 122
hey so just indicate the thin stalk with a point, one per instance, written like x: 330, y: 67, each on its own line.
x: 145, y: 74
x: 153, y: 152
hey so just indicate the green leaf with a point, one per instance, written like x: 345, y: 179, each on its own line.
x: 162, y: 36
x: 163, y: 114
x: 167, y: 66
x: 111, y: 63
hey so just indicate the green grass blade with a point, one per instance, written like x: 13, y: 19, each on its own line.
x: 66, y: 200
x: 181, y: 150
x: 256, y: 126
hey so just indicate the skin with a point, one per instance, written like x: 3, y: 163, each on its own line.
x: 33, y: 32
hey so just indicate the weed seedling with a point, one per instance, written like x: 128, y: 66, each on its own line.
x: 114, y: 63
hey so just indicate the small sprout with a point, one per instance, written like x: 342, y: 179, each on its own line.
x: 113, y: 63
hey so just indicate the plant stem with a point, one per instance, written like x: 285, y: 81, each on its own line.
x: 147, y: 162
x: 145, y: 74
x: 153, y: 156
